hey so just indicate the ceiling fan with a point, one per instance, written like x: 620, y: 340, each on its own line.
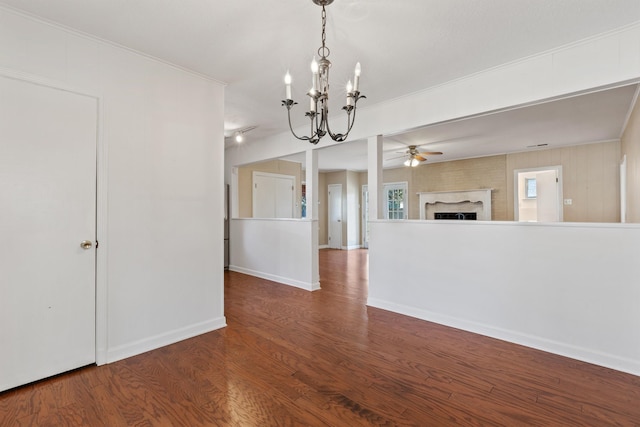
x: 416, y: 157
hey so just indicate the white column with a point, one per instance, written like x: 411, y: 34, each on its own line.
x: 375, y: 177
x: 313, y: 193
x: 311, y: 179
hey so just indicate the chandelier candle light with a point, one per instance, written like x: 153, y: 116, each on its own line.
x: 319, y: 94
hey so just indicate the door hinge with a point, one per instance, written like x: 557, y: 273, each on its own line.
x: 557, y: 180
x: 97, y: 244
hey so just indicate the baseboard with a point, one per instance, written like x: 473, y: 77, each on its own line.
x: 344, y: 248
x: 307, y: 286
x: 349, y: 248
x: 171, y: 337
x: 579, y: 353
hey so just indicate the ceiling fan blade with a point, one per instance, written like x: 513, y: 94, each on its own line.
x: 397, y: 157
x: 430, y: 153
x: 419, y: 158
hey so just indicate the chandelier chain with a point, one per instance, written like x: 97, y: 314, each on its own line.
x: 324, y: 50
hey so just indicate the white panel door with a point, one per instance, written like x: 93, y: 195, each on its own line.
x: 47, y: 208
x: 273, y: 195
x: 335, y: 216
x: 548, y: 200
x: 284, y: 197
x: 264, y: 202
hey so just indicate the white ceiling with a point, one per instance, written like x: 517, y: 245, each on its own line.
x: 403, y: 45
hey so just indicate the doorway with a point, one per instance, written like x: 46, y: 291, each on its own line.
x: 335, y: 216
x: 48, y: 222
x: 538, y: 194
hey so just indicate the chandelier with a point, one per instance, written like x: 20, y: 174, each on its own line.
x: 318, y: 113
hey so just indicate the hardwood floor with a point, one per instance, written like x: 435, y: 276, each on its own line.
x: 290, y: 357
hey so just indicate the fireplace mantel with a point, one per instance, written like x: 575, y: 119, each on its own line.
x: 478, y: 201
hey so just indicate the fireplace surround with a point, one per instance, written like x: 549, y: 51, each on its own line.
x: 464, y: 201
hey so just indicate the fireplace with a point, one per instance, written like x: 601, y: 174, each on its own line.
x: 459, y: 216
x: 456, y: 205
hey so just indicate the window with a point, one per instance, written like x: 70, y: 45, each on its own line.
x: 303, y: 201
x: 395, y: 195
x: 530, y: 188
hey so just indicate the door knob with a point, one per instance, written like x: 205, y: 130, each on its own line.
x: 86, y: 244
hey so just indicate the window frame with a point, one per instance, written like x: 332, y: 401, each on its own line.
x: 394, y: 186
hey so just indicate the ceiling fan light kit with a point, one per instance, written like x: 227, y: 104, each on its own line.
x: 318, y: 113
x: 416, y: 157
x: 412, y: 162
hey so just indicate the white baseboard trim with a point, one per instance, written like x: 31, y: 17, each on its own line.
x: 556, y: 347
x: 307, y: 286
x: 171, y: 337
x: 348, y: 248
x: 344, y: 248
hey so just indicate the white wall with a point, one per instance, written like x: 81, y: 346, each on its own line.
x: 570, y: 289
x: 282, y: 250
x: 160, y: 182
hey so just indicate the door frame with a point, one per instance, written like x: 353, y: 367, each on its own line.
x: 400, y: 185
x: 101, y: 320
x: 329, y: 216
x: 365, y: 215
x: 559, y: 186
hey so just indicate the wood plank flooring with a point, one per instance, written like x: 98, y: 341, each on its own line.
x: 294, y: 358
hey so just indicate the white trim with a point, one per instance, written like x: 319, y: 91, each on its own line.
x: 101, y: 278
x: 341, y: 220
x: 400, y: 185
x: 161, y: 340
x: 102, y: 213
x: 629, y: 112
x: 593, y: 225
x: 351, y: 247
x: 556, y: 347
x: 323, y: 247
x: 623, y: 189
x: 364, y: 203
x: 307, y: 286
x: 559, y: 186
x: 43, y: 81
